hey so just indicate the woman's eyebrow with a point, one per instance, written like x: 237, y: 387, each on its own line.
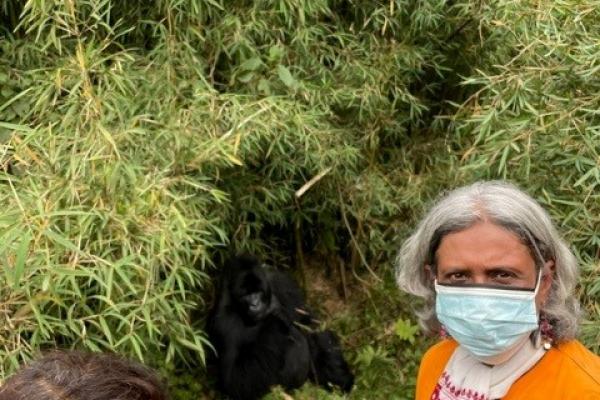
x: 454, y: 270
x: 487, y: 270
x: 503, y: 268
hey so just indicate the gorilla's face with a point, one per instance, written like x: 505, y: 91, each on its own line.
x: 251, y: 294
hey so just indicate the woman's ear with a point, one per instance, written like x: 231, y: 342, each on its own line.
x: 548, y: 271
x: 430, y: 272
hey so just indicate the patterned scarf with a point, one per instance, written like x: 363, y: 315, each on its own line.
x: 466, y: 378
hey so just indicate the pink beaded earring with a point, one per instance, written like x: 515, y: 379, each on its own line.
x: 546, y: 332
x: 443, y: 332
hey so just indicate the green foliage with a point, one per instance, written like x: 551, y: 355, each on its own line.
x: 388, y: 343
x: 139, y: 139
x: 406, y: 330
x: 533, y: 119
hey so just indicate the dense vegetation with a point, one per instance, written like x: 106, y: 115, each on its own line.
x: 140, y: 141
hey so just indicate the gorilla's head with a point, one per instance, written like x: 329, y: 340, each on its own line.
x: 250, y: 290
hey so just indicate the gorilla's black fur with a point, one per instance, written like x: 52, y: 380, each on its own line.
x: 262, y: 333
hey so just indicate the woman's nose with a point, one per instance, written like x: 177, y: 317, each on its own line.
x: 479, y: 279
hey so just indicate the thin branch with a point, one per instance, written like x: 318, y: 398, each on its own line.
x: 354, y: 242
x: 300, y: 192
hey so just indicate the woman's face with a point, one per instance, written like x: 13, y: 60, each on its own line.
x: 486, y: 253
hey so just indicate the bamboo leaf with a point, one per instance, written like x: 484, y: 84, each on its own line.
x: 286, y: 77
x: 21, y: 257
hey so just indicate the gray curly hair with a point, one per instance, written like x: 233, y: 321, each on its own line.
x: 507, y: 206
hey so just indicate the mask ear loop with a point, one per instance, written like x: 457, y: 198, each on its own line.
x: 540, y: 259
x: 543, y: 335
x: 538, y: 282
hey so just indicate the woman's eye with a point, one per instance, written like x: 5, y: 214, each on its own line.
x: 457, y: 277
x: 503, y: 276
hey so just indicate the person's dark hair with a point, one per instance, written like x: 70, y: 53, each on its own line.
x: 74, y: 375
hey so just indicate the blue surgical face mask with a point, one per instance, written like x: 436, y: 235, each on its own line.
x: 490, y: 323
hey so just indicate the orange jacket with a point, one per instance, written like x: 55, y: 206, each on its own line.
x: 568, y: 371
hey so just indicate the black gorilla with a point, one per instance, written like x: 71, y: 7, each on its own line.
x: 328, y: 365
x: 262, y: 333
